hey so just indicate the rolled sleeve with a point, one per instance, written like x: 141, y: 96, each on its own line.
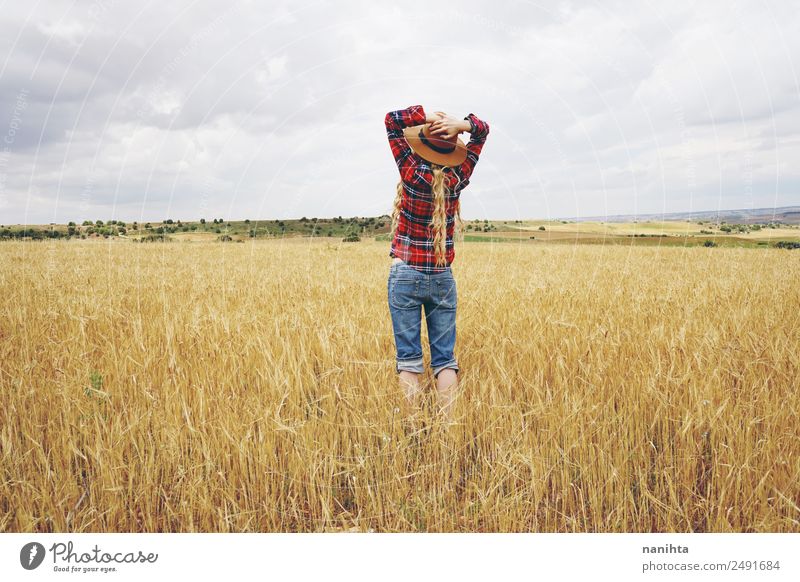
x: 481, y: 128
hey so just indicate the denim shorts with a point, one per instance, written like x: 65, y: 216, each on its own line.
x: 409, y: 291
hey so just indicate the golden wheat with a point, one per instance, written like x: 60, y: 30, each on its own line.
x: 251, y: 387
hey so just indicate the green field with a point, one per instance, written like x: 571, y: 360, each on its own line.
x: 647, y: 233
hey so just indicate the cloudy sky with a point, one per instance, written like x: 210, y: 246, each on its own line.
x: 151, y: 110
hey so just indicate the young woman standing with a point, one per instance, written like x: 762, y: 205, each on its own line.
x: 435, y: 166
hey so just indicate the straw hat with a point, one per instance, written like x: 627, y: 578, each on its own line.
x: 445, y: 152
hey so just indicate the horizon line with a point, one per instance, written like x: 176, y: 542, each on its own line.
x: 573, y: 218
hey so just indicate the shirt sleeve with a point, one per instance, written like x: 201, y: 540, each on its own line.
x: 396, y: 122
x: 476, y: 140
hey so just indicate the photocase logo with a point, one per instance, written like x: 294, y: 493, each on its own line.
x: 66, y: 558
x: 31, y: 555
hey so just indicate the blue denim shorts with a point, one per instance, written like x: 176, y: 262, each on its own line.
x: 409, y: 291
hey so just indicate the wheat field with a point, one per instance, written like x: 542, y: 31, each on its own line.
x: 221, y: 387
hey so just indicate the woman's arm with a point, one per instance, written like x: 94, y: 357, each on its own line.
x: 396, y: 122
x: 449, y: 126
x: 477, y: 138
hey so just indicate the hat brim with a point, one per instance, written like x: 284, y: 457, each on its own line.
x: 454, y: 158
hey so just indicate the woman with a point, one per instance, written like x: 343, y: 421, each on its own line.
x: 435, y: 166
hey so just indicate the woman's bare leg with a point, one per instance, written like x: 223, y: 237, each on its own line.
x: 446, y: 387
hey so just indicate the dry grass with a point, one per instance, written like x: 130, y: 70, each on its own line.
x: 251, y: 387
x: 667, y: 227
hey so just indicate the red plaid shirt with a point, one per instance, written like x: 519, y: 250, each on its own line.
x: 413, y: 239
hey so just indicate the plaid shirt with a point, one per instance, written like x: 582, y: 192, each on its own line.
x: 413, y: 239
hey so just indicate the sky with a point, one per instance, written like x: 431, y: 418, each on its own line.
x: 274, y: 110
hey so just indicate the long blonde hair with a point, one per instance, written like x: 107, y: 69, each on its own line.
x: 438, y: 222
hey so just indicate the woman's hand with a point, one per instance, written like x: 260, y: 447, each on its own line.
x: 447, y: 126
x: 431, y: 117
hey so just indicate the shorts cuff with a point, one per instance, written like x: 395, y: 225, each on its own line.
x: 452, y: 364
x: 414, y: 365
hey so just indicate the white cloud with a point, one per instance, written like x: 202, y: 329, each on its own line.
x: 68, y: 32
x: 136, y: 111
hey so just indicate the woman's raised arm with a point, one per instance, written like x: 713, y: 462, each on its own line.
x: 448, y: 127
x: 479, y: 129
x: 396, y: 122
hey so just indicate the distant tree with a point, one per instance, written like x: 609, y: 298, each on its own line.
x: 542, y: 228
x: 709, y: 243
x: 99, y: 223
x: 247, y: 221
x: 202, y: 221
x: 70, y: 223
x: 155, y: 238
